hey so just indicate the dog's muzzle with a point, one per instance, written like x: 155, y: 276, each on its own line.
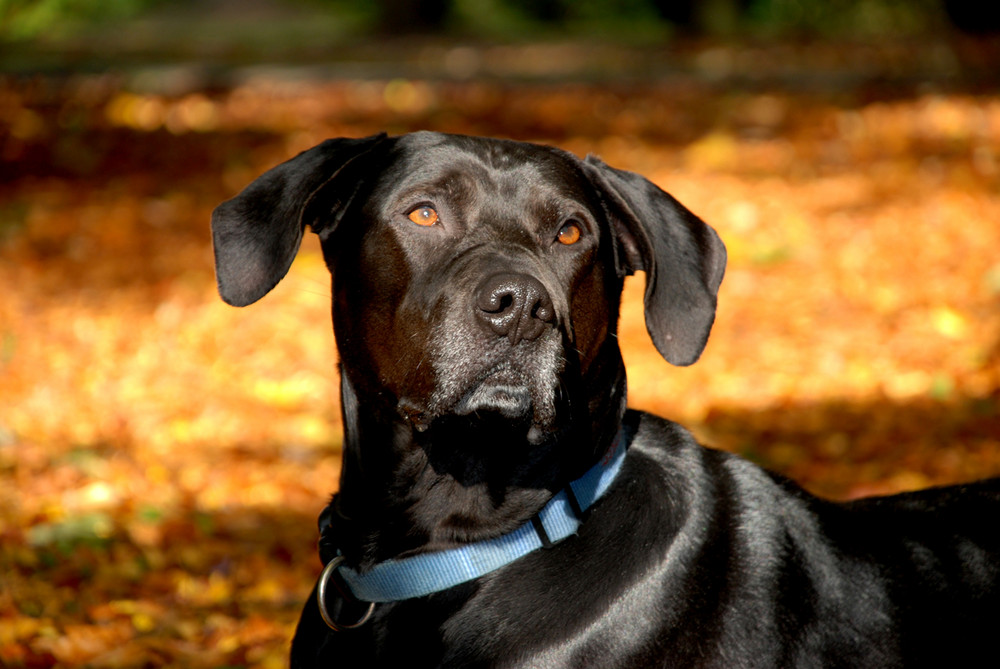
x: 497, y: 352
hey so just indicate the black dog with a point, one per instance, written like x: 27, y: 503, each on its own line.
x: 498, y: 504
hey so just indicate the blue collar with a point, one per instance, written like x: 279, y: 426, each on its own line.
x: 426, y: 573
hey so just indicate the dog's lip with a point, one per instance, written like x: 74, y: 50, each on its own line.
x: 507, y: 400
x: 517, y: 387
x: 500, y: 388
x: 415, y: 413
x: 502, y: 373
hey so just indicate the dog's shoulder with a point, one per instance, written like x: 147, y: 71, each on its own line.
x: 690, y: 468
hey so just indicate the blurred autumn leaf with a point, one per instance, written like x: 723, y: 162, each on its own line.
x: 163, y: 456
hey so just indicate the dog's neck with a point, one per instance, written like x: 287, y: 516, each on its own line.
x: 404, y: 491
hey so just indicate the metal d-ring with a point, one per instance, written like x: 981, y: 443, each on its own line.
x: 321, y: 599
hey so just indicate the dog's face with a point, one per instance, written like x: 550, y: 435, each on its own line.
x: 485, y: 268
x: 474, y: 276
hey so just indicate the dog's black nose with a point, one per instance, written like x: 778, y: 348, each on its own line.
x: 515, y: 306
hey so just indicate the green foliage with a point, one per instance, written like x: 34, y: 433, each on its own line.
x: 863, y: 18
x: 639, y: 19
x: 89, y: 529
x: 511, y: 19
x: 25, y: 19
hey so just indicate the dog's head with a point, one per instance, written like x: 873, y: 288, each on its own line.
x: 474, y: 276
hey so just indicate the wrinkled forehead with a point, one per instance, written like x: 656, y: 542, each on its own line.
x: 460, y: 166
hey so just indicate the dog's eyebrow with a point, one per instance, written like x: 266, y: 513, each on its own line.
x: 558, y: 208
x: 452, y: 188
x: 457, y: 185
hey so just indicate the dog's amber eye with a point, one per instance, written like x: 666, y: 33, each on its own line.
x: 423, y: 216
x: 569, y: 234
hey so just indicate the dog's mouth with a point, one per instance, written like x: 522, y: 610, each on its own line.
x: 502, y: 390
x: 504, y: 394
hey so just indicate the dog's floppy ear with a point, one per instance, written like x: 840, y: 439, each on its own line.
x: 683, y: 259
x: 257, y: 233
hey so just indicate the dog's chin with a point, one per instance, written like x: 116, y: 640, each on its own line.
x: 512, y: 407
x: 521, y: 399
x: 510, y: 401
x: 490, y: 429
x: 492, y: 407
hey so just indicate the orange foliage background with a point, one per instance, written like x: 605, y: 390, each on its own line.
x: 163, y: 456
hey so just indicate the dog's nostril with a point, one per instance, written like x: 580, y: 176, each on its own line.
x: 495, y: 301
x: 543, y: 311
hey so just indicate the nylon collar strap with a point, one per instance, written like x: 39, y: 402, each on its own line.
x: 427, y: 573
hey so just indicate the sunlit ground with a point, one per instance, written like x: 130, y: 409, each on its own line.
x: 163, y: 455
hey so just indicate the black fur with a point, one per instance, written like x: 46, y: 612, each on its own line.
x: 481, y: 373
